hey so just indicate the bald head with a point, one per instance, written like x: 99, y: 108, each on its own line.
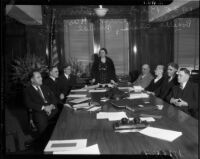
x: 145, y: 69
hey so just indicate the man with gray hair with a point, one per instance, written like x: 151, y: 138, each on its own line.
x: 144, y: 78
x: 184, y: 96
x: 156, y: 83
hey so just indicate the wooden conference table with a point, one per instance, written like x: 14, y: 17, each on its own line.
x: 84, y: 125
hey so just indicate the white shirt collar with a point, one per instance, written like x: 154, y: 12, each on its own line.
x: 184, y: 84
x: 157, y: 78
x: 52, y: 78
x: 35, y: 87
x: 67, y: 76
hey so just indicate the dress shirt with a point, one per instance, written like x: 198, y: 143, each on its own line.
x: 67, y: 76
x: 157, y: 78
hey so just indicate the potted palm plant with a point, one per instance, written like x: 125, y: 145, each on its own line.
x: 22, y: 67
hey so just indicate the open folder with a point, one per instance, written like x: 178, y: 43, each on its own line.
x: 94, y: 149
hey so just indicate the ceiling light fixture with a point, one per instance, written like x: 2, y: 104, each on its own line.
x: 101, y: 11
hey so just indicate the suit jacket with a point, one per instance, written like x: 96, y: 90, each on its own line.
x: 53, y: 85
x: 65, y: 85
x: 110, y: 73
x: 153, y: 86
x: 145, y: 81
x: 188, y: 94
x: 34, y: 100
x: 166, y: 87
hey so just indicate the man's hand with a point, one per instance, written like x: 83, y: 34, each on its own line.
x: 62, y: 96
x: 178, y: 102
x: 47, y: 109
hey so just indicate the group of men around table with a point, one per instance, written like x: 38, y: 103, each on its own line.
x: 46, y: 97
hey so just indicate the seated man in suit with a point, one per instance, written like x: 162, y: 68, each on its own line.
x: 41, y: 100
x: 168, y: 82
x: 145, y: 78
x: 156, y: 83
x: 51, y: 82
x: 185, y: 95
x: 66, y: 81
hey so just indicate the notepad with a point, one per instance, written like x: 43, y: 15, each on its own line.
x: 77, y: 95
x: 65, y: 145
x: 111, y: 116
x: 138, y: 95
x: 163, y: 134
x: 79, y: 100
x: 128, y: 88
x: 94, y: 149
x: 79, y: 90
x: 97, y: 90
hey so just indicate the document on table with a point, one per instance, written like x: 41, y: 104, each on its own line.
x: 97, y: 90
x: 81, y: 105
x: 77, y: 95
x: 79, y: 100
x: 138, y: 88
x: 129, y: 88
x: 94, y: 149
x: 93, y: 109
x: 138, y: 95
x: 163, y: 134
x: 79, y: 90
x: 65, y: 145
x: 111, y: 116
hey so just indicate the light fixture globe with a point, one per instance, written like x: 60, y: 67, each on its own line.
x: 101, y: 11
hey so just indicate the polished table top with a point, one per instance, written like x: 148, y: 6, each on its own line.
x: 84, y: 125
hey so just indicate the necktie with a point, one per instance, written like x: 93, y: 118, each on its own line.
x: 41, y: 94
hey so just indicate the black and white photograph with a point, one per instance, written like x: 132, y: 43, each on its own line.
x: 100, y: 79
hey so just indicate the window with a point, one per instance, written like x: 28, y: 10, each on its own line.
x: 78, y: 41
x: 114, y: 37
x: 186, y: 42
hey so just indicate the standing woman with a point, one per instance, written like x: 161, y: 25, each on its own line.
x: 103, y: 69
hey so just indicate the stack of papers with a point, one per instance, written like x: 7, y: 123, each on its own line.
x: 138, y: 88
x: 138, y: 95
x: 97, y: 90
x: 65, y: 145
x: 162, y: 134
x: 127, y: 88
x: 79, y: 100
x: 111, y: 116
x: 79, y: 90
x: 77, y: 95
x: 94, y: 149
x: 81, y: 105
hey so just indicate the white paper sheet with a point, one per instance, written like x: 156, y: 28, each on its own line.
x: 94, y: 149
x: 128, y: 88
x: 138, y: 88
x: 97, y: 90
x: 81, y: 105
x: 163, y: 134
x: 79, y: 100
x: 79, y: 90
x: 65, y: 145
x: 138, y: 95
x: 94, y: 109
x: 77, y: 95
x: 127, y: 131
x: 111, y: 116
